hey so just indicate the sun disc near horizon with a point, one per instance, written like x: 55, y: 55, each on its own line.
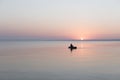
x: 81, y: 38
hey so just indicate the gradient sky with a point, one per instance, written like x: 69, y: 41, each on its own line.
x: 60, y: 19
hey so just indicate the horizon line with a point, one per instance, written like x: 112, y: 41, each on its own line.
x: 59, y: 40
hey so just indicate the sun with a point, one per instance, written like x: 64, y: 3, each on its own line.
x: 81, y: 38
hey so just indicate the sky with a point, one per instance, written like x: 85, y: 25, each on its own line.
x: 59, y: 19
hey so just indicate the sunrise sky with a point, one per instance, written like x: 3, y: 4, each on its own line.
x: 59, y: 19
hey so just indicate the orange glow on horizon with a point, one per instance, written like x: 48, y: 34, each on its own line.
x: 85, y: 37
x: 81, y: 38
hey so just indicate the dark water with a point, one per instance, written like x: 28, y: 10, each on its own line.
x: 52, y: 60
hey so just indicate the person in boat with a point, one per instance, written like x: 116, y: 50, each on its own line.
x: 72, y: 47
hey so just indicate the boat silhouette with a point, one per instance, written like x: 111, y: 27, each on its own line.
x: 72, y: 47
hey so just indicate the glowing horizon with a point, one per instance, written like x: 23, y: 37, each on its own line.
x: 64, y: 19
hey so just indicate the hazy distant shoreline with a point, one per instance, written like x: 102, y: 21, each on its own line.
x: 58, y: 40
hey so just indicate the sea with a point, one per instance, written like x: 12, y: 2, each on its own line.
x: 52, y: 60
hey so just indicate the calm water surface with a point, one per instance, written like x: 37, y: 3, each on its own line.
x: 52, y: 60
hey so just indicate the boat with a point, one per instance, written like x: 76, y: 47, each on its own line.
x: 72, y: 47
